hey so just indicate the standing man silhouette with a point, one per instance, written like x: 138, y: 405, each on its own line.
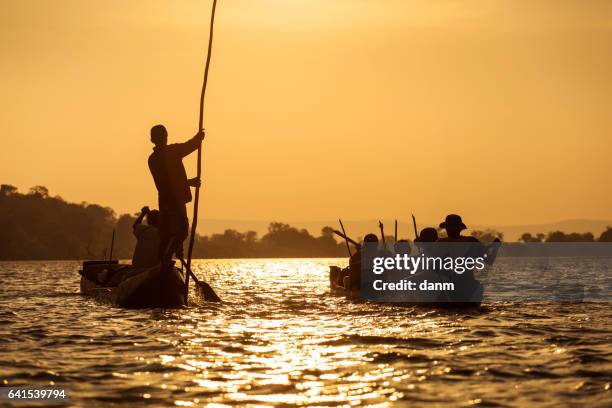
x: 173, y: 187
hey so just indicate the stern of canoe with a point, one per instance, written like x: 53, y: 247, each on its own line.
x: 138, y: 287
x: 152, y: 288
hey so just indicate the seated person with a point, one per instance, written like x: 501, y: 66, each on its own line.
x: 424, y: 242
x: 354, y: 269
x: 453, y: 225
x: 146, y: 253
x: 354, y: 262
x: 402, y: 247
x: 427, y: 235
x: 463, y: 246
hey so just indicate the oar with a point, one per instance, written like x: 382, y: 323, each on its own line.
x: 346, y: 238
x: 209, y: 292
x: 348, y: 248
x: 416, y: 232
x: 110, y: 256
x: 395, y: 236
x: 492, y: 250
x: 196, y: 198
x: 382, y: 233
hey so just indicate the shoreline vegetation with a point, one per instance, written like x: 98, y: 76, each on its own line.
x: 38, y: 226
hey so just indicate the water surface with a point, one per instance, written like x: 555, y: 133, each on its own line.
x: 280, y: 339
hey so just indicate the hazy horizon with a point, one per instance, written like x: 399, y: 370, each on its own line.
x: 244, y: 224
x: 498, y: 111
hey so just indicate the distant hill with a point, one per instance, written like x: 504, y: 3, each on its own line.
x: 358, y: 228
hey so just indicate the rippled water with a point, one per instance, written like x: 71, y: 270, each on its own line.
x: 280, y: 339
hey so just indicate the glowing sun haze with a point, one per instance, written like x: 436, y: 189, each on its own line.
x: 498, y: 110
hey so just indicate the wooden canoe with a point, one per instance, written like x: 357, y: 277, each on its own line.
x: 338, y: 289
x: 130, y: 287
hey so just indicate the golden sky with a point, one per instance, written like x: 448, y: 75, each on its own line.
x: 499, y: 110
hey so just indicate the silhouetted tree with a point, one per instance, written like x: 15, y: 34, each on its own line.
x: 559, y: 236
x: 7, y: 190
x: 488, y: 235
x: 606, y: 236
x: 40, y: 191
x: 251, y: 237
x: 282, y: 240
x: 527, y: 237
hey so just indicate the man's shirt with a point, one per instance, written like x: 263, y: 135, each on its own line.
x: 166, y: 165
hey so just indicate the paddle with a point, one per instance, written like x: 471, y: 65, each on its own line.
x: 348, y: 248
x: 209, y: 292
x: 395, y: 235
x: 110, y: 256
x: 416, y: 233
x: 346, y: 238
x: 492, y: 250
x: 382, y: 234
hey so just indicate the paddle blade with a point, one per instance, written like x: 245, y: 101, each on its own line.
x: 207, y: 292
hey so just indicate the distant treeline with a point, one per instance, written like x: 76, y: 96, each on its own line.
x: 36, y: 225
x: 555, y: 236
x: 559, y: 236
x: 488, y: 235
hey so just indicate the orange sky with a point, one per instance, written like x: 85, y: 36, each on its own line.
x: 499, y: 110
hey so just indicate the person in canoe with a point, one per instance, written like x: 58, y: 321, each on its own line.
x: 173, y: 187
x: 424, y: 243
x: 353, y: 271
x: 146, y: 250
x: 467, y: 246
x: 146, y: 253
x: 453, y: 224
x: 402, y: 247
x: 428, y: 234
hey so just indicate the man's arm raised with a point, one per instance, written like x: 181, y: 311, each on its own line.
x: 143, y: 212
x: 190, y: 146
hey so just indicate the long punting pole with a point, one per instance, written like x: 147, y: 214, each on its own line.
x: 196, y: 200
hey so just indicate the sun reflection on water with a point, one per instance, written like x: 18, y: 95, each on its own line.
x: 282, y: 338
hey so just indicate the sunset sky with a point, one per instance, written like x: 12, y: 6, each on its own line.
x: 500, y: 110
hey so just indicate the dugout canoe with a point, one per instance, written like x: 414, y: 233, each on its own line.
x: 129, y: 287
x: 338, y: 289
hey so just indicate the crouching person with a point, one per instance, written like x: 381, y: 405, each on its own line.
x: 146, y: 253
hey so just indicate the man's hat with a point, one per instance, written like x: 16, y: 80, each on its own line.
x: 453, y: 221
x: 370, y: 238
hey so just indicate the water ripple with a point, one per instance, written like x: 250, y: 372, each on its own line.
x: 280, y: 339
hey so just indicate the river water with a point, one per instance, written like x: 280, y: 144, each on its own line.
x: 279, y: 338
